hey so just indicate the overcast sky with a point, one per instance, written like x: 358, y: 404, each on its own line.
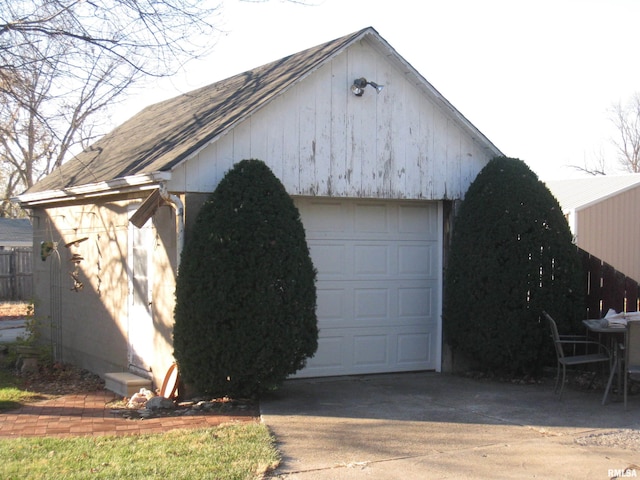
x: 538, y: 78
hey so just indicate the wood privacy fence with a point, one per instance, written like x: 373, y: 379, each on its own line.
x: 606, y: 288
x: 16, y: 274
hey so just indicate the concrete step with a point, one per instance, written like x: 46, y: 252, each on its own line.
x: 125, y: 384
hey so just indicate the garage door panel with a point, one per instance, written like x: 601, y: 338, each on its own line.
x: 378, y: 285
x: 329, y: 358
x: 371, y: 218
x: 416, y: 259
x: 331, y: 304
x: 371, y: 304
x: 372, y: 259
x: 375, y: 304
x: 371, y: 351
x: 328, y: 259
x: 415, y: 302
x: 323, y: 216
x: 415, y: 219
x: 374, y: 350
x: 414, y: 349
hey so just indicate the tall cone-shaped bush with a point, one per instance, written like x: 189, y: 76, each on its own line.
x: 245, y: 315
x: 511, y: 257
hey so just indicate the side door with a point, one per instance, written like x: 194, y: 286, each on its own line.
x: 140, y: 320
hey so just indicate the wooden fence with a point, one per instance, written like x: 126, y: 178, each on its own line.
x: 16, y: 274
x: 606, y: 288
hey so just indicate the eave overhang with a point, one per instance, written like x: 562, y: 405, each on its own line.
x: 118, y: 186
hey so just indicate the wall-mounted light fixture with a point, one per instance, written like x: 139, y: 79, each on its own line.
x: 359, y: 85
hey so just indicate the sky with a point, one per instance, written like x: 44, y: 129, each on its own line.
x: 537, y: 78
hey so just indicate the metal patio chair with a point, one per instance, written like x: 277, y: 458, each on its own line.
x: 567, y: 351
x: 631, y: 354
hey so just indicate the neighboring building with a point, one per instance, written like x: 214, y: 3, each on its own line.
x: 15, y: 233
x: 373, y: 173
x: 602, y: 212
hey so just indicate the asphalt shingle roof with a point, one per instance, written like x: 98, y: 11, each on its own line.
x: 16, y: 232
x: 162, y: 135
x: 165, y: 134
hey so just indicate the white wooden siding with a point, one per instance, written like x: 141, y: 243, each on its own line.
x: 321, y: 140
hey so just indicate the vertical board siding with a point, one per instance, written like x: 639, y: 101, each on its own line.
x: 16, y: 274
x: 605, y: 288
x: 321, y: 140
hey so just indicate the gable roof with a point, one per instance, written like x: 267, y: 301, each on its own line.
x: 165, y: 134
x: 577, y: 193
x: 16, y: 232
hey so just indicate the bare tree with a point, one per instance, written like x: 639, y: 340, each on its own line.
x: 47, y: 117
x: 626, y: 119
x: 148, y: 35
x: 63, y: 61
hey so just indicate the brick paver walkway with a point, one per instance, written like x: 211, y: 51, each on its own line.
x: 87, y: 414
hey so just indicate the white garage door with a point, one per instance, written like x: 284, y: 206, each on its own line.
x: 379, y: 277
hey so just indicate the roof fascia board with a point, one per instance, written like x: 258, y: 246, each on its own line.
x: 134, y: 183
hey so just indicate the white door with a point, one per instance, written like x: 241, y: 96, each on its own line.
x: 379, y: 277
x: 140, y: 322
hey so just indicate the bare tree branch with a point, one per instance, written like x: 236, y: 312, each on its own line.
x: 597, y: 167
x: 64, y: 62
x: 152, y: 36
x: 626, y: 119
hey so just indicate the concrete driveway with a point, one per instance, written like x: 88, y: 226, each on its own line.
x: 439, y: 426
x: 11, y: 330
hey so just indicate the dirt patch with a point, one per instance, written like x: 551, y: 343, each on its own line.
x: 54, y: 380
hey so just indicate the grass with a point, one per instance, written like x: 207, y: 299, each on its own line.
x: 232, y: 452
x: 229, y: 452
x: 12, y: 396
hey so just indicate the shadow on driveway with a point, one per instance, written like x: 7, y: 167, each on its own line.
x: 430, y: 425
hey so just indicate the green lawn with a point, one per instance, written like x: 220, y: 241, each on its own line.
x: 241, y: 451
x: 11, y: 395
x: 238, y: 451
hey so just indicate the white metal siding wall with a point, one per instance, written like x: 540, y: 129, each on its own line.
x: 378, y: 285
x: 610, y: 231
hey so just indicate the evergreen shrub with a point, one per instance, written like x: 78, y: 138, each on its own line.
x: 511, y: 257
x: 245, y: 315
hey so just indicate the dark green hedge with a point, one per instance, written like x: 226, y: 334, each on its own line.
x: 245, y: 315
x: 511, y: 257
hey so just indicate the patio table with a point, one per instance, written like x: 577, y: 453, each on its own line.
x: 615, y: 337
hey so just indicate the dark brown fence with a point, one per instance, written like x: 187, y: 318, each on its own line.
x: 606, y: 288
x: 16, y: 274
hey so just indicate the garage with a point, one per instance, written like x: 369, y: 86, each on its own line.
x: 379, y: 277
x: 371, y: 171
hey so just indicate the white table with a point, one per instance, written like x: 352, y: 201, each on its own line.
x: 615, y: 335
